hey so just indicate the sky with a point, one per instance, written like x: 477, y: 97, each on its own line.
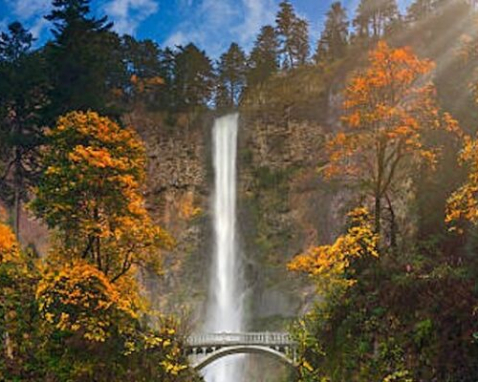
x: 210, y: 24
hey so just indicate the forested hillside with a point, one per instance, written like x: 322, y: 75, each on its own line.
x: 357, y: 194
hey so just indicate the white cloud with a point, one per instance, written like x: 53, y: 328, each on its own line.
x: 177, y: 38
x: 38, y: 27
x: 28, y: 9
x: 31, y: 13
x: 127, y: 15
x: 257, y: 13
x: 213, y: 24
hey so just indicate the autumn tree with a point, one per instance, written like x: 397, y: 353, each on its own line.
x: 334, y: 39
x: 293, y: 33
x: 462, y: 206
x: 388, y: 110
x: 330, y: 265
x: 94, y: 313
x: 263, y: 60
x: 231, y: 76
x: 18, y: 318
x: 23, y: 100
x: 81, y: 308
x: 333, y: 269
x: 91, y: 193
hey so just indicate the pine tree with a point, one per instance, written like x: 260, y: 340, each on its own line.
x: 142, y: 59
x: 231, y: 76
x: 85, y: 57
x: 193, y: 77
x: 24, y: 84
x: 420, y: 9
x: 293, y: 33
x: 167, y: 63
x: 374, y: 17
x: 263, y: 60
x: 15, y: 43
x: 334, y: 39
x: 300, y: 41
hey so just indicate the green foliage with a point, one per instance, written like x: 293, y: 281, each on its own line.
x: 410, y: 316
x: 399, y: 322
x: 375, y: 17
x: 66, y: 321
x: 23, y: 100
x: 194, y: 78
x: 19, y: 322
x: 334, y: 38
x: 263, y: 60
x: 84, y: 59
x: 231, y: 77
x: 293, y: 33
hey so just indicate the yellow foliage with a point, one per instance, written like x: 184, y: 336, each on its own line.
x: 187, y: 209
x: 79, y: 298
x: 91, y: 193
x: 463, y: 203
x: 9, y: 250
x: 329, y: 263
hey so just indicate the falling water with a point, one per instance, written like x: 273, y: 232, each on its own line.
x: 225, y: 307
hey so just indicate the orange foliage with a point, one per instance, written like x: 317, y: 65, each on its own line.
x: 79, y: 298
x: 9, y: 250
x: 91, y: 192
x: 387, y: 110
x: 143, y: 85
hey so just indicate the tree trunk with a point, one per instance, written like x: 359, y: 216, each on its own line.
x: 393, y: 225
x: 17, y: 212
x: 17, y: 192
x: 378, y: 207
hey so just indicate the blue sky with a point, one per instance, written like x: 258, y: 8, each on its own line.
x: 211, y: 24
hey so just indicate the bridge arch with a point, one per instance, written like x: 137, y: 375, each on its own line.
x: 243, y: 349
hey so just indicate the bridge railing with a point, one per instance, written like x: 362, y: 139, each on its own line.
x: 223, y: 339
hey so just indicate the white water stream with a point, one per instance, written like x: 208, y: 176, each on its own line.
x: 225, y: 311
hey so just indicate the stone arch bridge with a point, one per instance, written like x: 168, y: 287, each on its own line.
x: 204, y: 349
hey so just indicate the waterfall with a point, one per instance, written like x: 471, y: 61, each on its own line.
x: 225, y: 313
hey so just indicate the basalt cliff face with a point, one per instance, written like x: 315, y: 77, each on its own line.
x: 283, y: 207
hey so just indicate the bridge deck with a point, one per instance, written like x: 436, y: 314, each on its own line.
x: 235, y: 339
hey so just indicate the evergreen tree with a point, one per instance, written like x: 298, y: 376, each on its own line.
x: 334, y: 39
x: 374, y: 17
x: 263, y: 60
x: 293, y: 33
x: 420, y: 9
x: 193, y: 77
x: 167, y: 62
x: 231, y: 76
x: 23, y: 97
x: 300, y: 41
x: 142, y: 59
x: 15, y: 43
x: 85, y: 59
